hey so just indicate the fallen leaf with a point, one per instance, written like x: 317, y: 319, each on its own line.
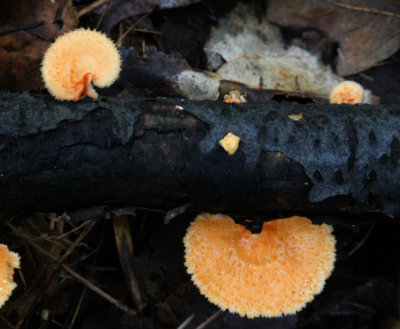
x: 253, y: 51
x: 365, y: 37
x: 26, y: 30
x: 118, y: 10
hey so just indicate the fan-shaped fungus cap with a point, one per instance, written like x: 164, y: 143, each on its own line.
x: 347, y: 92
x: 269, y: 274
x: 76, y: 60
x: 8, y: 262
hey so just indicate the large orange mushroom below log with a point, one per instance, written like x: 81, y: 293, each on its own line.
x: 269, y: 274
x: 8, y: 262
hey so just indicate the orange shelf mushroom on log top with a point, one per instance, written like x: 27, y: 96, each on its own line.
x: 269, y: 274
x: 8, y: 262
x: 347, y: 92
x: 76, y: 60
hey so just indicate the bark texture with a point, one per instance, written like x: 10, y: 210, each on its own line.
x: 165, y: 153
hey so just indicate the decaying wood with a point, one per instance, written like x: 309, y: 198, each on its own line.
x: 164, y: 153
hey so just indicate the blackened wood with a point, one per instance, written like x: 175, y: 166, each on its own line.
x: 164, y: 153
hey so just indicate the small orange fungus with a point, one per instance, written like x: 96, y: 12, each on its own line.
x: 269, y: 274
x: 235, y: 97
x: 347, y: 92
x: 8, y: 262
x: 230, y: 143
x: 76, y: 60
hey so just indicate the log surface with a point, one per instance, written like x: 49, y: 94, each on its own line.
x: 165, y: 153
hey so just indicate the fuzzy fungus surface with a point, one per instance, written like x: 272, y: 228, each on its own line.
x: 269, y: 274
x: 78, y: 60
x: 347, y: 92
x: 9, y: 261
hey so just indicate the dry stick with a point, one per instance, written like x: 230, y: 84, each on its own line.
x: 98, y: 291
x: 61, y: 236
x: 23, y: 28
x: 123, y: 241
x: 58, y: 16
x: 84, y: 291
x: 102, y: 16
x: 366, y: 236
x: 147, y: 31
x: 87, y: 283
x: 78, y: 240
x: 392, y: 61
x: 365, y: 10
x: 78, y: 307
x: 34, y: 282
x: 22, y: 278
x: 211, y: 319
x: 7, y: 322
x: 119, y: 41
x: 66, y: 254
x: 91, y: 7
x: 186, y: 322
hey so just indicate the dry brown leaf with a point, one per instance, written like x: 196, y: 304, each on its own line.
x: 117, y: 10
x: 21, y: 51
x: 365, y: 38
x: 253, y: 51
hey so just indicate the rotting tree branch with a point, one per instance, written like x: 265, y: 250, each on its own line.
x: 165, y: 153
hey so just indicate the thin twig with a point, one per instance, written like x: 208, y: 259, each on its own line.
x: 58, y: 16
x: 147, y: 31
x: 392, y: 61
x: 103, y: 15
x: 78, y: 307
x: 91, y: 7
x: 23, y: 28
x: 54, y: 270
x: 98, y: 291
x: 61, y: 236
x: 87, y: 283
x: 84, y: 291
x: 365, y: 238
x: 123, y: 241
x: 6, y: 322
x: 78, y: 240
x: 186, y: 322
x: 119, y: 41
x: 22, y: 278
x: 365, y: 10
x: 210, y: 320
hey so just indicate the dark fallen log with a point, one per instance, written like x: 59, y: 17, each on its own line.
x: 164, y: 153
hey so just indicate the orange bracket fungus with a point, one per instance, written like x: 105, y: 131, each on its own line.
x: 235, y: 97
x: 8, y: 262
x: 269, y: 274
x: 230, y: 143
x: 76, y: 60
x: 347, y: 92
